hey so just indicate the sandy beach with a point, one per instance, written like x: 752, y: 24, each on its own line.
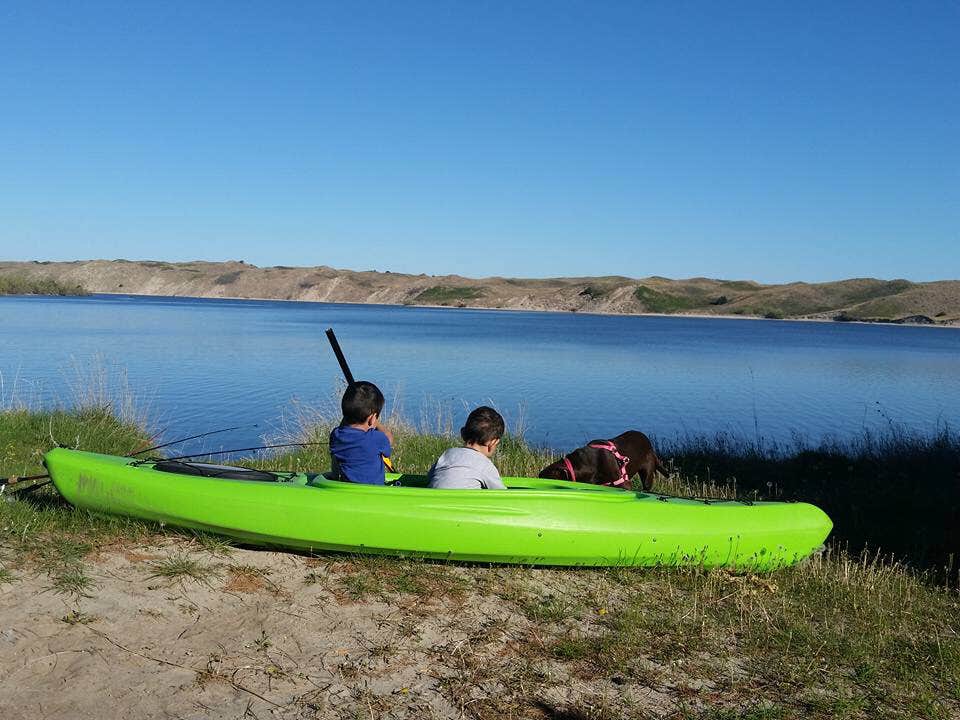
x: 269, y: 634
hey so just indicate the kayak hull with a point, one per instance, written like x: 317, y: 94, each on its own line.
x: 534, y: 522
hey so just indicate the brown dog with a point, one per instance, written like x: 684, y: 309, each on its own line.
x: 598, y: 462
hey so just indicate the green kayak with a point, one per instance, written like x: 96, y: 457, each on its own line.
x: 534, y: 521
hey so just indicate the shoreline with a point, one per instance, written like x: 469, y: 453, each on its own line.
x: 698, y: 316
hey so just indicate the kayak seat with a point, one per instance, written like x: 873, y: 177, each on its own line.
x: 224, y: 472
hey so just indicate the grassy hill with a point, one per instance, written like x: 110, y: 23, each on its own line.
x: 28, y: 284
x: 865, y: 299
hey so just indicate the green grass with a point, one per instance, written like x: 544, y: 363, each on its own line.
x: 661, y: 302
x: 445, y: 294
x: 741, y: 285
x: 837, y: 629
x: 26, y: 435
x: 28, y: 285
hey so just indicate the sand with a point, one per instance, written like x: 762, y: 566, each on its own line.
x: 279, y: 635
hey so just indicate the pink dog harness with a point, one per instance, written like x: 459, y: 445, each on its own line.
x: 622, y: 462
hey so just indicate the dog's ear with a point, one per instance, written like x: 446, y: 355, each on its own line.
x: 550, y: 472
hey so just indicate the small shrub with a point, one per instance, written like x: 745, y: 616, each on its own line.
x: 594, y: 292
x: 227, y: 278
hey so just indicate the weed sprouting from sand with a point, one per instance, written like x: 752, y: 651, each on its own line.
x: 180, y: 567
x: 6, y: 577
x: 360, y: 585
x: 552, y: 607
x: 313, y: 578
x: 248, y: 579
x: 71, y: 580
x: 75, y: 617
x: 263, y: 643
x: 216, y: 545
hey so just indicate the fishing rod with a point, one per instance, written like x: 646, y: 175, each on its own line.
x: 179, y: 457
x: 192, y: 437
x: 387, y: 462
x: 16, y: 480
x: 227, y: 452
x: 153, y: 438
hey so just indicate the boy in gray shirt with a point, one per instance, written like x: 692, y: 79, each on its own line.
x: 469, y: 467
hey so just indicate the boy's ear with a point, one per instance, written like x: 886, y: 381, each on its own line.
x: 372, y: 420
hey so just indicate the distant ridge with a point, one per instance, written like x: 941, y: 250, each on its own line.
x: 863, y: 299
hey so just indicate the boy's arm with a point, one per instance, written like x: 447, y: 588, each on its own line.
x: 491, y: 478
x: 383, y: 428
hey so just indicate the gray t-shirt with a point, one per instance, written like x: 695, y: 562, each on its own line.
x: 464, y: 469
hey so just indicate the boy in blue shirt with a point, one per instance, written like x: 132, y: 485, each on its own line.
x: 359, y: 443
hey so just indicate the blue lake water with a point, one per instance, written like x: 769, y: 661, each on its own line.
x: 197, y: 365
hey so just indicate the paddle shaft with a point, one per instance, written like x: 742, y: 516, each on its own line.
x: 340, y: 358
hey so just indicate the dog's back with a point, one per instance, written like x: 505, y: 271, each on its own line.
x: 596, y: 465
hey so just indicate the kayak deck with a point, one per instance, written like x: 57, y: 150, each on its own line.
x: 535, y: 521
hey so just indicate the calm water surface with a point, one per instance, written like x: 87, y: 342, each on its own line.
x: 198, y: 365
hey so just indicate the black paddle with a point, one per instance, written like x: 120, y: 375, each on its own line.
x: 340, y: 358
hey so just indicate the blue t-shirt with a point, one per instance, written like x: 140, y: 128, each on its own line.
x: 357, y: 454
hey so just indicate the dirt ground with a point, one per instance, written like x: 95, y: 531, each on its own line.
x: 169, y: 632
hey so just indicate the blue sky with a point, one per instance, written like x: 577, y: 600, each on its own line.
x: 771, y: 141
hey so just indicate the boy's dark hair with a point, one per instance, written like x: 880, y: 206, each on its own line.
x: 483, y: 425
x: 361, y: 400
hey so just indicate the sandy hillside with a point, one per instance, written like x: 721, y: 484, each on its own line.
x: 856, y: 299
